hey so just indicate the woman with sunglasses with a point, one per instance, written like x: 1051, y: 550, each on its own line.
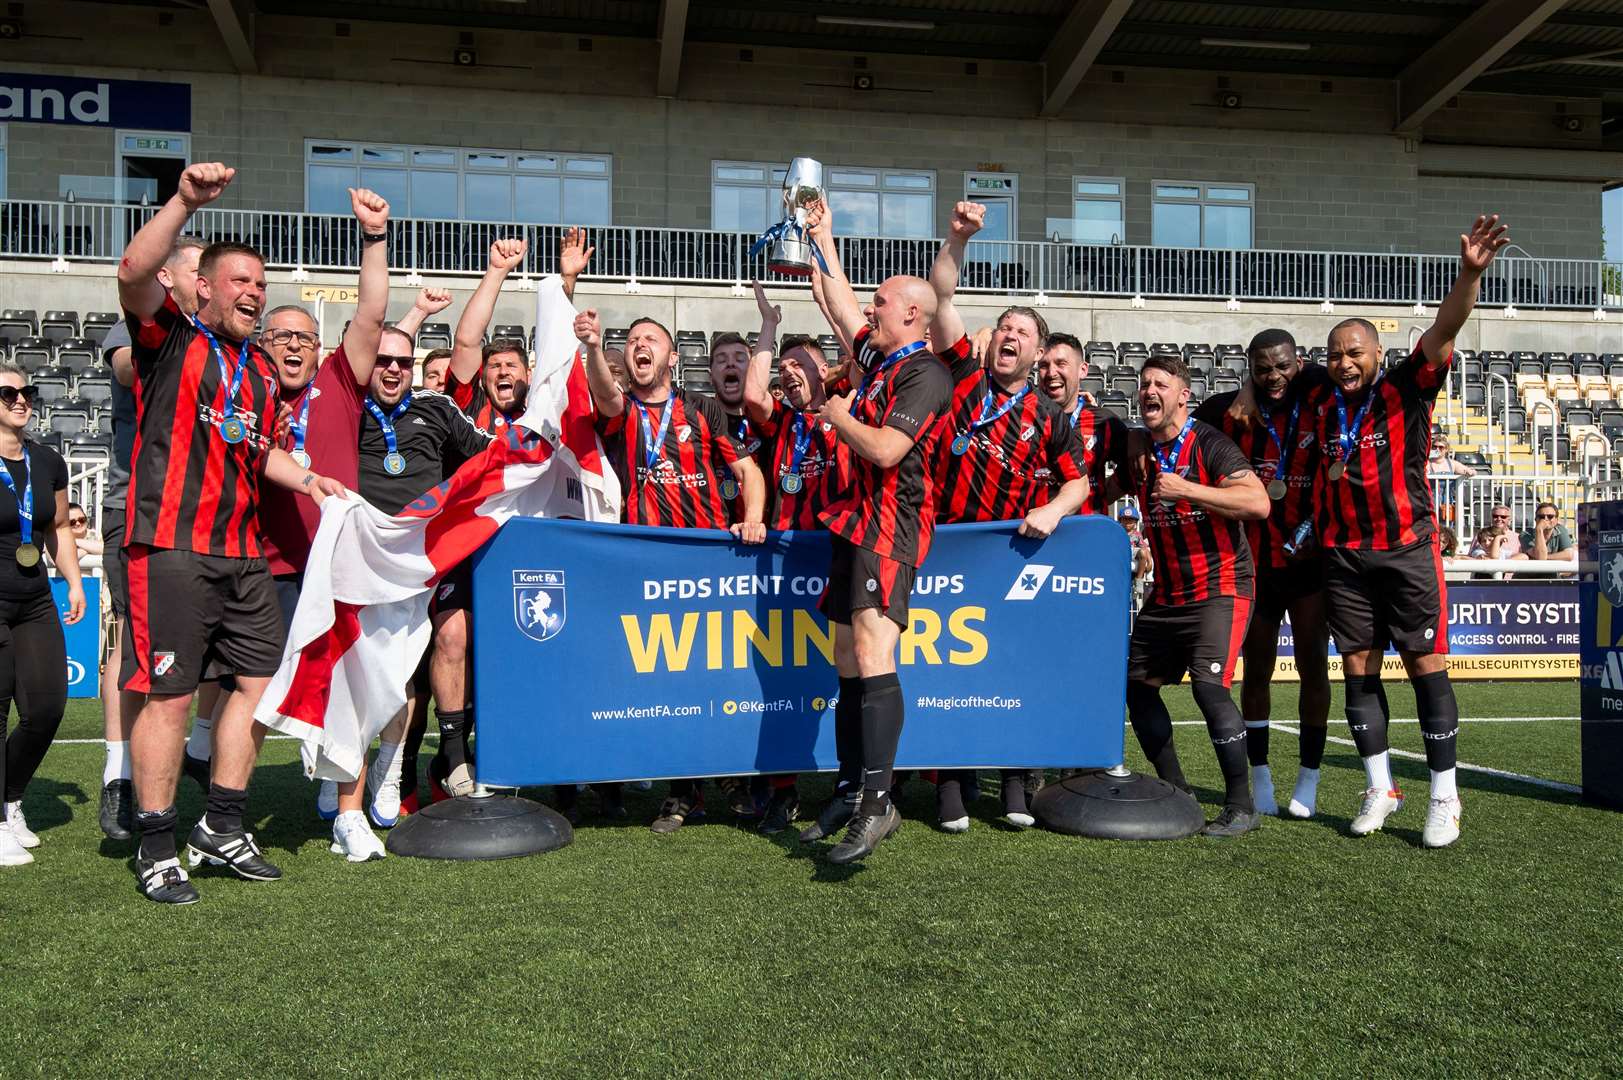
x: 33, y: 656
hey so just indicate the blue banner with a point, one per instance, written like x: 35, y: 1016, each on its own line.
x: 614, y: 652
x: 83, y: 638
x: 121, y: 103
x: 1600, y: 735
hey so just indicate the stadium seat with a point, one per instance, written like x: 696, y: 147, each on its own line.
x: 434, y: 335
x: 1503, y: 368
x: 1317, y: 354
x: 96, y: 325
x: 1092, y: 384
x: 1609, y: 418
x: 1522, y: 356
x: 1165, y: 348
x: 69, y: 419
x: 1199, y: 387
x: 1475, y: 394
x: 1201, y: 361
x: 1475, y: 459
x: 47, y: 438
x: 32, y: 353
x: 510, y: 332
x: 1471, y: 370
x: 59, y: 325
x: 78, y: 354
x: 87, y: 447
x: 615, y: 337
x: 1516, y: 420
x: 1396, y: 356
x: 1126, y: 385
x: 17, y: 323
x: 95, y: 389
x: 53, y: 385
x: 1224, y: 381
x: 1116, y: 403
x: 1100, y: 346
x: 1560, y: 367
x: 1234, y: 362
x: 1577, y: 414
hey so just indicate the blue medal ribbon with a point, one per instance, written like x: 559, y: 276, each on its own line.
x: 1169, y: 461
x: 25, y: 500
x: 230, y: 381
x: 803, y: 433
x: 653, y: 445
x: 1348, y: 437
x: 985, y: 419
x: 1290, y: 433
x: 300, y: 426
x: 386, y: 423
x: 890, y: 361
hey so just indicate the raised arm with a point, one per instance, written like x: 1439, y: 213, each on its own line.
x: 758, y: 376
x: 429, y: 302
x: 948, y: 327
x: 361, y: 339
x: 1477, y: 250
x: 573, y: 256
x: 599, y: 376
x: 839, y: 302
x: 139, y: 291
x: 467, y: 354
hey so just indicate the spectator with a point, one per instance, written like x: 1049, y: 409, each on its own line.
x: 1450, y: 543
x: 87, y: 540
x: 1442, y: 461
x: 1548, y: 538
x: 1498, y: 540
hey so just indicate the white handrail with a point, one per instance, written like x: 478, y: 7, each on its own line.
x: 1555, y: 431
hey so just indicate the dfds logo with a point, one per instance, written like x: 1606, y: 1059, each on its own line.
x: 1029, y: 582
x: 538, y: 603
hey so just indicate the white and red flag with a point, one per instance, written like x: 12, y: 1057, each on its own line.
x: 362, y: 622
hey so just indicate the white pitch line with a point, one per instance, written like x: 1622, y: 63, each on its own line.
x: 102, y: 742
x: 1536, y: 781
x: 1411, y: 720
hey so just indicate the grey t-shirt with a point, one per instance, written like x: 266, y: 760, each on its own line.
x: 118, y: 474
x: 1560, y: 540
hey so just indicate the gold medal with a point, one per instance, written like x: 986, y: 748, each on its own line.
x: 1338, y: 469
x: 1276, y: 488
x: 27, y: 555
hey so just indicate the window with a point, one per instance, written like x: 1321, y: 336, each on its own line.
x: 748, y: 196
x: 1190, y: 215
x: 540, y: 187
x: 1098, y: 211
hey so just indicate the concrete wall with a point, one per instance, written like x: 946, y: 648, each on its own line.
x: 1328, y: 171
x: 707, y: 309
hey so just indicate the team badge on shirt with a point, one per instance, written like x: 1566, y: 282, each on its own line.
x: 539, y: 610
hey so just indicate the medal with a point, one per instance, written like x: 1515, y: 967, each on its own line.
x: 960, y: 445
x: 1168, y: 461
x: 394, y: 462
x: 27, y: 550
x: 985, y: 417
x: 230, y: 427
x: 27, y: 555
x: 1276, y: 489
x: 299, y: 427
x: 233, y: 430
x: 1338, y: 469
x: 301, y: 458
x: 1347, y: 440
x: 791, y: 483
x: 729, y: 489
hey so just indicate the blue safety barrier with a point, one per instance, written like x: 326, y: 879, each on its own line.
x: 83, y: 638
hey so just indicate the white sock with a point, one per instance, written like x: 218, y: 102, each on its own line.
x: 389, y: 758
x: 200, y: 744
x: 117, y: 764
x: 1308, y: 779
x: 1442, y: 784
x: 1378, y: 767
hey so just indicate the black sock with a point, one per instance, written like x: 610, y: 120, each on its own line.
x: 225, y: 809
x: 156, y: 829
x: 1153, y: 726
x: 949, y: 794
x: 1256, y: 742
x: 453, y: 737
x: 1367, y: 713
x: 470, y: 744
x: 1227, y: 728
x: 1439, y: 719
x: 1014, y: 791
x: 881, y: 730
x: 1312, y: 746
x: 848, y: 737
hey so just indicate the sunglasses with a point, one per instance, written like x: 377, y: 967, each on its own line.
x: 1547, y: 517
x: 10, y: 394
x: 404, y: 363
x: 282, y: 337
x: 77, y: 521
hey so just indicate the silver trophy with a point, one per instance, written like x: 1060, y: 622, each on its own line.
x: 792, y: 249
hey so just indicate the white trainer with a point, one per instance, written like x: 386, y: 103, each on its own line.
x: 383, y: 795
x: 1262, y: 790
x: 327, y: 800
x: 11, y: 852
x: 354, y: 839
x: 1017, y: 819
x: 19, y: 825
x: 956, y: 825
x: 1378, y: 805
x: 1442, y: 822
x: 461, y: 781
x: 1305, y: 799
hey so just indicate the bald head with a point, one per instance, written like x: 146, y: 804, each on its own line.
x: 902, y: 310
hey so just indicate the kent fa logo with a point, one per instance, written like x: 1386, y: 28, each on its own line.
x: 1028, y: 582
x: 538, y: 603
x: 1611, y: 568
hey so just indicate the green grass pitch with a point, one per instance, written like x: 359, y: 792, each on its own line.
x: 1295, y: 952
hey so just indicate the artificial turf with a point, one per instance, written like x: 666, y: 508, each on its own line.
x: 1295, y: 952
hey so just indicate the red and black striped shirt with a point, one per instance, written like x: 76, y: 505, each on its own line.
x: 1300, y: 473
x: 690, y: 483
x: 891, y: 512
x: 1011, y: 465
x: 1198, y: 555
x: 189, y: 488
x: 1104, y: 449
x: 471, y: 398
x: 824, y: 467
x: 1383, y: 500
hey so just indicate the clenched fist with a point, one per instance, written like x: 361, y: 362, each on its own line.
x: 203, y: 182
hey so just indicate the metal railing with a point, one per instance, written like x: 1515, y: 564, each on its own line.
x: 68, y: 232
x: 1465, y: 503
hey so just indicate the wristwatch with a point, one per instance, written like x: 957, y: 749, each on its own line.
x: 372, y: 238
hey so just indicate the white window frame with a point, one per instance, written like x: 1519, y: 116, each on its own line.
x: 1205, y: 200
x: 1011, y: 192
x: 565, y: 167
x: 773, y: 184
x: 1120, y: 199
x: 180, y: 147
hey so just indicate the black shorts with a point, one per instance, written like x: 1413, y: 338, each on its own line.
x: 114, y: 576
x: 1278, y: 589
x: 859, y: 578
x: 454, y: 592
x: 1396, y: 597
x: 287, y: 596
x: 1202, y: 638
x: 188, y: 609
